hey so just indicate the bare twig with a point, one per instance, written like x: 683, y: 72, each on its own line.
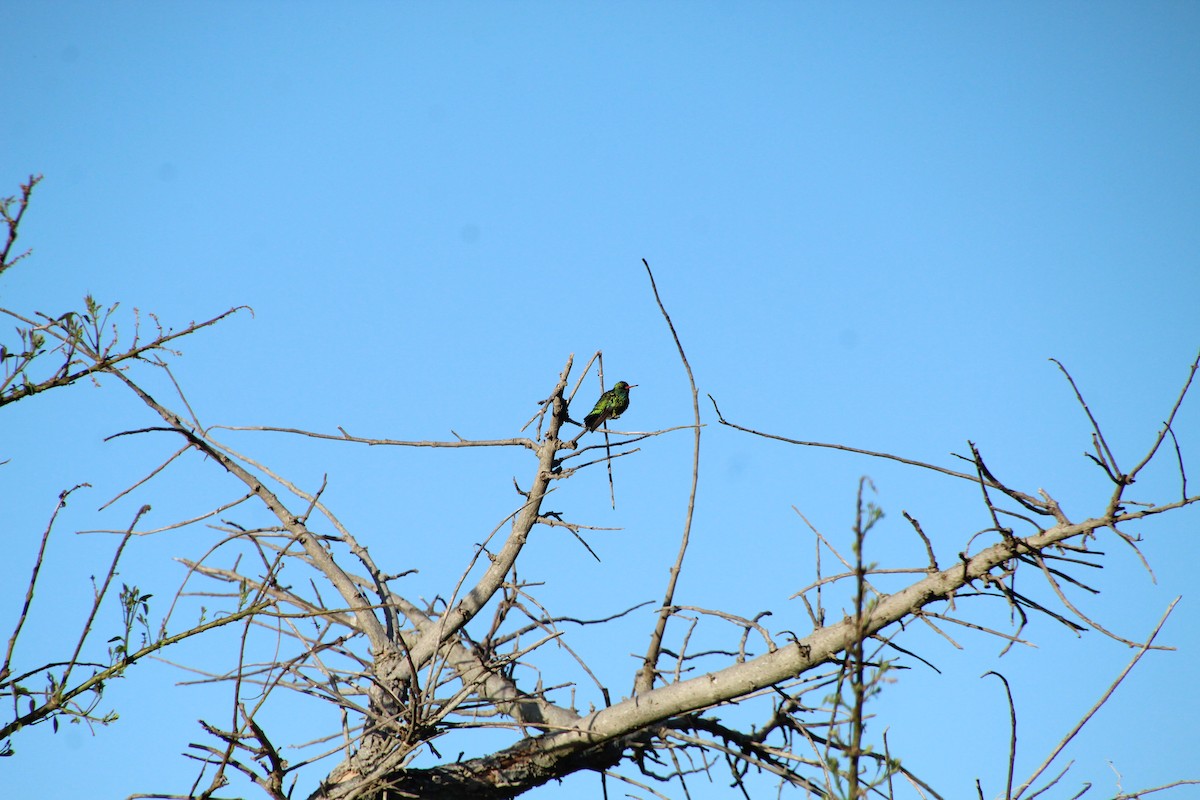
x: 872, y: 453
x: 376, y: 442
x: 5, y: 669
x: 1143, y: 792
x: 644, y: 681
x: 1167, y: 425
x: 1146, y: 647
x: 1104, y: 457
x: 1012, y: 742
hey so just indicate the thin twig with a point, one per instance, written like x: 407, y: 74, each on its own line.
x: 1106, y: 459
x: 873, y: 454
x: 5, y: 669
x: 1012, y: 741
x: 1167, y: 425
x: 644, y: 681
x: 1103, y: 699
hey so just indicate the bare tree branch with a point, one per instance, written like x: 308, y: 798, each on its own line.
x: 644, y: 680
x: 1092, y: 711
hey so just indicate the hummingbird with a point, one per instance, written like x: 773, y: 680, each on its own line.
x: 611, y: 405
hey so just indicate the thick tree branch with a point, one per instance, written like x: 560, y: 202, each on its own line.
x: 534, y: 761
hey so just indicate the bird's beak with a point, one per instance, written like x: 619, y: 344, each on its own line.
x: 631, y: 385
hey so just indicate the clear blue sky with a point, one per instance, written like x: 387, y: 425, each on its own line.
x: 872, y: 226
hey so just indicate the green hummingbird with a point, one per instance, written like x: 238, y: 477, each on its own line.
x: 611, y: 405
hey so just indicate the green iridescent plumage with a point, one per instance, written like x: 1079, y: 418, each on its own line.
x: 611, y: 405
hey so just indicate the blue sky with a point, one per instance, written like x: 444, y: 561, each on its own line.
x: 872, y: 226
